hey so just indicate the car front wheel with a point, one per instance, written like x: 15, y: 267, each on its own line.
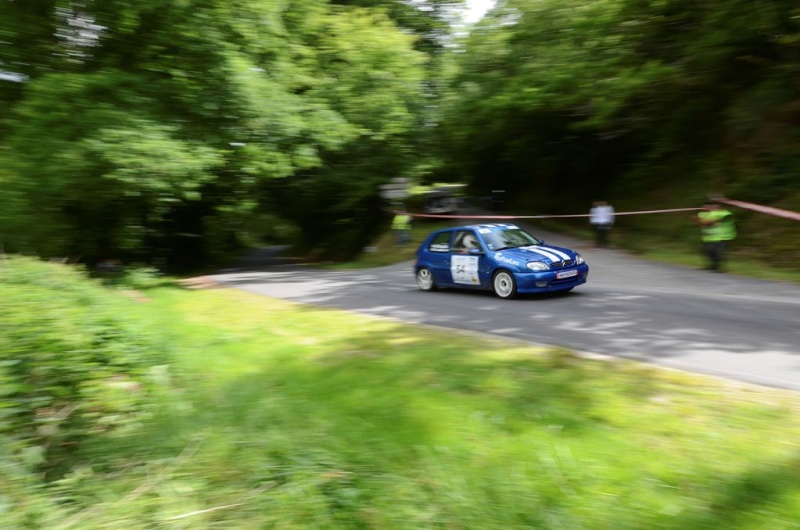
x: 504, y: 284
x: 425, y: 279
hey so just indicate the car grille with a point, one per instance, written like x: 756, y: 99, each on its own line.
x: 565, y: 263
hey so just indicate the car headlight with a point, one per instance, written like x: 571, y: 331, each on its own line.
x: 579, y: 259
x: 538, y: 266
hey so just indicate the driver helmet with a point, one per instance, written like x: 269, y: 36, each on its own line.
x: 470, y: 241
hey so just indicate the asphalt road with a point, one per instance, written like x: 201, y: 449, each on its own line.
x: 717, y: 324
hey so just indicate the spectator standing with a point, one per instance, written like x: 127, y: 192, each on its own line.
x: 601, y: 217
x: 718, y: 229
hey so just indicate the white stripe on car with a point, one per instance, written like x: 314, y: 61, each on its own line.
x: 538, y: 250
x: 563, y: 255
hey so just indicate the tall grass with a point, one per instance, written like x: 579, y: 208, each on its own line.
x: 282, y: 416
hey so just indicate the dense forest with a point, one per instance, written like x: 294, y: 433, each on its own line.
x: 180, y: 131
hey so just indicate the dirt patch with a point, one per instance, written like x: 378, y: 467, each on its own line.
x: 200, y: 282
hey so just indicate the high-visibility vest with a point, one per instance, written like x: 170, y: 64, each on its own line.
x: 401, y: 222
x: 724, y: 229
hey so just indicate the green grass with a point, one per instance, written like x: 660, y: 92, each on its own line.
x: 276, y: 415
x: 737, y: 263
x: 689, y: 254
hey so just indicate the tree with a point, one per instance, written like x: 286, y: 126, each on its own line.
x: 97, y: 177
x: 370, y: 75
x: 560, y: 100
x: 167, y: 121
x: 430, y: 20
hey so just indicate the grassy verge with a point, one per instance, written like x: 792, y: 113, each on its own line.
x: 276, y: 415
x: 666, y: 251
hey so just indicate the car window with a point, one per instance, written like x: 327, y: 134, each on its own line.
x: 464, y: 241
x: 440, y: 242
x: 512, y: 237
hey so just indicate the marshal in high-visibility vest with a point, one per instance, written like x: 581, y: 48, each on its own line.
x: 401, y: 225
x: 402, y: 221
x: 718, y: 228
x: 717, y: 224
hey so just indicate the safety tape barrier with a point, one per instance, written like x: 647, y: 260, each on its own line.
x: 786, y: 214
x: 456, y: 216
x: 777, y: 212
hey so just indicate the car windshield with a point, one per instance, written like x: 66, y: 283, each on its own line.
x: 502, y: 238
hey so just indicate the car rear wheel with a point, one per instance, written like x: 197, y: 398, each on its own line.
x: 425, y: 279
x: 504, y: 284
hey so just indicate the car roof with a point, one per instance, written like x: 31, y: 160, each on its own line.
x: 484, y: 225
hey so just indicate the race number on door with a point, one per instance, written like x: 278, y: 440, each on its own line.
x: 464, y: 269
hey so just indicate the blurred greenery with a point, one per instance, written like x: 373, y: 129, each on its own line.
x: 75, y: 364
x: 275, y: 415
x: 649, y: 104
x: 176, y: 133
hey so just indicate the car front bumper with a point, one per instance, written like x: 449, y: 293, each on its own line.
x: 547, y: 281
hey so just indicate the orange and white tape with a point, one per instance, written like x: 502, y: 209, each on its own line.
x: 455, y: 216
x: 769, y: 210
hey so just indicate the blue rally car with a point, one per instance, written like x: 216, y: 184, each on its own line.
x: 500, y: 257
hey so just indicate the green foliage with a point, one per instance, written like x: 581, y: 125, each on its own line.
x: 430, y: 20
x: 102, y: 184
x: 173, y: 130
x: 371, y: 76
x: 137, y: 277
x: 281, y: 416
x: 158, y: 130
x: 565, y: 97
x: 74, y: 361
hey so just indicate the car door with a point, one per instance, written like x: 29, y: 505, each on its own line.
x: 438, y: 257
x: 465, y: 260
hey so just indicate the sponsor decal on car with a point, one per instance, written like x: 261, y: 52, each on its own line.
x: 505, y: 259
x: 464, y: 269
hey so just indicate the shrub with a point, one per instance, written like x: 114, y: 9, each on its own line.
x: 73, y: 360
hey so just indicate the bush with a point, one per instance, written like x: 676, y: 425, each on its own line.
x: 73, y: 361
x: 133, y: 277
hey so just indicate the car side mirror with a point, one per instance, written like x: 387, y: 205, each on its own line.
x: 476, y: 251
